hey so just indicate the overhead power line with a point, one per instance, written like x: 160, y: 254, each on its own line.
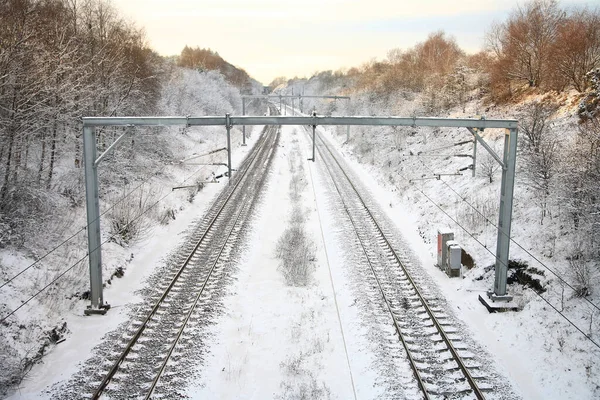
x: 481, y: 244
x: 63, y: 273
x: 514, y: 241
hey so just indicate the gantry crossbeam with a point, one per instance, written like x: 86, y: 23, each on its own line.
x: 91, y: 161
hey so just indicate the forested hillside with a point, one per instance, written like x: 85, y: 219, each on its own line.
x: 61, y: 60
x: 540, y: 66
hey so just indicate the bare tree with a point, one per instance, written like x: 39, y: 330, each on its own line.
x: 487, y: 165
x: 540, y: 150
x: 576, y: 49
x: 523, y: 45
x: 534, y: 124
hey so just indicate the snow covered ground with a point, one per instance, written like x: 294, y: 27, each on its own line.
x: 277, y: 341
x: 84, y: 333
x: 542, y: 355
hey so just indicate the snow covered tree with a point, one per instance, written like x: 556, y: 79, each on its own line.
x: 60, y: 60
x: 589, y: 108
x: 457, y: 87
x: 540, y: 148
x: 488, y: 166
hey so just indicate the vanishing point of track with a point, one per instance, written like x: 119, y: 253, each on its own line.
x: 442, y: 365
x: 141, y: 363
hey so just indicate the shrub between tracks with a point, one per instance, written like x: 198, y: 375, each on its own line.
x: 295, y: 249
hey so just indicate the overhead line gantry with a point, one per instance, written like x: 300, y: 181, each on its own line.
x: 475, y: 126
x: 281, y: 97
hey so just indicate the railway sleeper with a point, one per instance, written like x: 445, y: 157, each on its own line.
x: 427, y: 323
x: 430, y: 332
x: 434, y: 309
x: 472, y: 364
x: 459, y: 346
x: 465, y: 355
x: 422, y: 365
x: 451, y: 393
x: 451, y: 367
x: 446, y: 356
x: 407, y: 288
x: 414, y: 347
x: 419, y: 359
x: 436, y: 338
x: 438, y: 347
x: 415, y: 301
x: 452, y: 336
x: 410, y: 340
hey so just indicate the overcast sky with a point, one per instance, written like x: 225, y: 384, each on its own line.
x: 270, y: 38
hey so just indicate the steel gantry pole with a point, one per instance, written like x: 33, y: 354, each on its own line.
x: 314, y: 127
x: 92, y: 203
x: 228, y: 126
x: 474, y: 156
x: 505, y: 217
x: 243, y: 126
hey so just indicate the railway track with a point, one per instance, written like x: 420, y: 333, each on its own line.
x: 442, y: 363
x: 149, y: 357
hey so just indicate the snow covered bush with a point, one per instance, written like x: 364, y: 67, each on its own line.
x: 590, y: 105
x: 487, y: 166
x: 190, y: 92
x: 297, y: 254
x: 132, y: 219
x: 584, y: 275
x: 296, y: 250
x: 476, y: 220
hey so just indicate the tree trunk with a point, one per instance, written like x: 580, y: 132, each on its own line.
x: 42, y: 157
x: 77, y: 150
x: 27, y: 141
x: 17, y: 159
x: 52, y: 153
x: 4, y: 189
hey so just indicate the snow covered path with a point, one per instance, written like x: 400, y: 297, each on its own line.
x: 275, y: 340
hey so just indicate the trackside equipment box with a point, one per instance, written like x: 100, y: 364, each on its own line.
x: 453, y: 261
x: 444, y: 235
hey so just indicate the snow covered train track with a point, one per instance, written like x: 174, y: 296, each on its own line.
x: 443, y: 364
x: 146, y: 363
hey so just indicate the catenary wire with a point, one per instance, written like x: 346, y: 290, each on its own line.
x: 481, y: 244
x: 119, y: 201
x: 87, y: 254
x: 512, y: 240
x: 74, y: 234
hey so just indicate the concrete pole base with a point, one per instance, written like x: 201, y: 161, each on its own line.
x: 495, y: 303
x: 97, y: 311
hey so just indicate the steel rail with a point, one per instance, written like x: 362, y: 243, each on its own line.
x: 197, y: 299
x: 411, y: 360
x: 476, y: 390
x: 115, y: 367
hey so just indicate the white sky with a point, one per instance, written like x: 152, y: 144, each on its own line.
x: 270, y: 38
